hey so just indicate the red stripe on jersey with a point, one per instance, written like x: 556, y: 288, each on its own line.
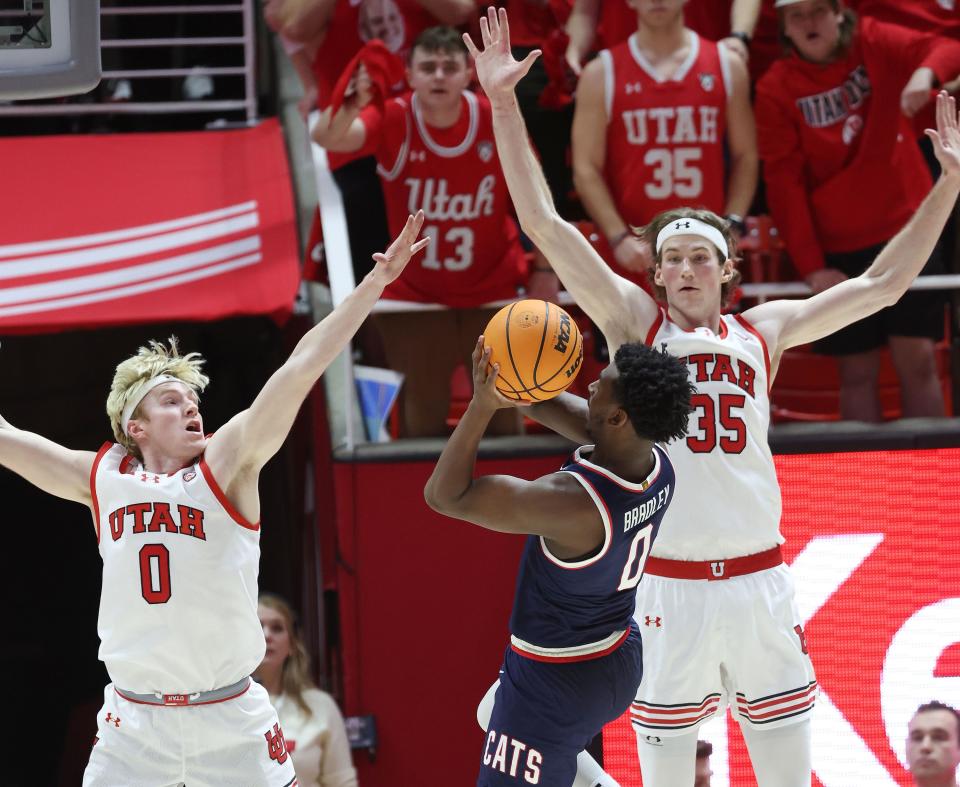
x: 567, y: 659
x: 773, y: 715
x: 692, y: 707
x: 685, y: 721
x: 766, y: 354
x: 651, y: 334
x: 93, y: 487
x: 771, y: 701
x: 235, y: 515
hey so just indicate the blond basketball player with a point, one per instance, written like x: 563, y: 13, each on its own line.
x: 176, y: 514
x: 718, y: 550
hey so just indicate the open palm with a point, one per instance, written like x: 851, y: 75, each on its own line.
x: 390, y: 264
x: 497, y: 69
x: 946, y: 139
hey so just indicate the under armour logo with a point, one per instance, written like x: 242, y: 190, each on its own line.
x: 632, y: 87
x: 717, y: 568
x: 418, y: 155
x: 657, y: 621
x: 144, y: 477
x: 115, y: 719
x: 682, y: 225
x: 276, y: 745
x: 653, y: 740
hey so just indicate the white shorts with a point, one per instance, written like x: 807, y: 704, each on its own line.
x: 710, y: 644
x: 223, y: 744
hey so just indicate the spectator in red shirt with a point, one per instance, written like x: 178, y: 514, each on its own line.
x: 434, y: 148
x: 844, y: 173
x: 655, y: 117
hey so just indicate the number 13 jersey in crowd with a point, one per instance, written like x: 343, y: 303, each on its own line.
x: 453, y: 175
x: 573, y: 610
x: 665, y: 136
x: 178, y: 607
x: 730, y: 505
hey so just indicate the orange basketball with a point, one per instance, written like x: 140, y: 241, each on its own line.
x: 538, y: 347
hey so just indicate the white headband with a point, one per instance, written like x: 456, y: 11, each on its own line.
x: 694, y: 227
x: 148, y: 386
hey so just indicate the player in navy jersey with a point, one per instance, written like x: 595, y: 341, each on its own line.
x: 575, y: 656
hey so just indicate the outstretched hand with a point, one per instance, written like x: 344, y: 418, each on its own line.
x: 390, y: 264
x: 497, y: 70
x: 946, y: 139
x: 485, y: 374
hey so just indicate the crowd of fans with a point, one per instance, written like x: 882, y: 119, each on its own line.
x: 810, y: 110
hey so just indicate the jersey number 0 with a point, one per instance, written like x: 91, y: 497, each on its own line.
x: 155, y: 573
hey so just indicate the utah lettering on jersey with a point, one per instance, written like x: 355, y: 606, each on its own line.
x: 834, y: 105
x: 640, y: 514
x: 151, y: 517
x: 431, y: 196
x: 717, y: 367
x: 671, y: 125
x: 506, y: 757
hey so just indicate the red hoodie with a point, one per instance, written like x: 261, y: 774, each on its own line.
x: 841, y: 165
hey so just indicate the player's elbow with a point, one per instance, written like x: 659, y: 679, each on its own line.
x: 433, y: 498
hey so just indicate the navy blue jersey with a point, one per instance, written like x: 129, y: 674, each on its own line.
x: 581, y: 609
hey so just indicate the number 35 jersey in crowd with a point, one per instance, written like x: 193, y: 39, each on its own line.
x: 577, y: 610
x: 178, y: 607
x: 731, y: 505
x: 665, y: 136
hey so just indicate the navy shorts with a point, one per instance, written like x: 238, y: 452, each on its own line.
x: 917, y: 314
x: 545, y: 714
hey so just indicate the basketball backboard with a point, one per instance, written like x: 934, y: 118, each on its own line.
x: 48, y: 48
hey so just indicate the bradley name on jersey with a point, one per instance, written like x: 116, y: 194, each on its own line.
x: 833, y: 106
x: 431, y: 196
x: 638, y: 515
x: 672, y: 125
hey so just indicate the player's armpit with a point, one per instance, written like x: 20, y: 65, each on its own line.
x: 45, y: 464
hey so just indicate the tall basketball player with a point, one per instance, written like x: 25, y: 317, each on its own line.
x: 176, y: 515
x: 752, y: 646
x: 575, y: 654
x: 654, y: 116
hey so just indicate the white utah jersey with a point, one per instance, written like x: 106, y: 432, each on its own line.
x: 178, y: 606
x: 730, y: 503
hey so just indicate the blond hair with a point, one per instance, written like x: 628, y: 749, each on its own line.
x: 295, y: 678
x: 135, y: 372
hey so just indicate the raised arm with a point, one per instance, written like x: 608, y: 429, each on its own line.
x: 45, y: 464
x: 554, y: 506
x: 581, y: 29
x: 621, y: 309
x: 343, y: 131
x: 741, y: 140
x: 253, y: 436
x: 786, y: 324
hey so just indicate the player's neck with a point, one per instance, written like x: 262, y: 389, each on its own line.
x: 624, y: 458
x: 663, y: 42
x: 444, y: 116
x: 692, y: 319
x: 155, y: 462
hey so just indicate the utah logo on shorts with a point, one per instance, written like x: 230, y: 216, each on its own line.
x: 276, y: 745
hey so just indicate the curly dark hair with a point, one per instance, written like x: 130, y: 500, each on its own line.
x: 655, y: 390
x: 661, y: 220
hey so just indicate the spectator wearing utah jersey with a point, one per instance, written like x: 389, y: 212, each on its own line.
x: 607, y: 23
x: 435, y: 150
x: 833, y: 121
x: 176, y: 515
x: 312, y: 724
x: 651, y: 120
x: 575, y: 653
